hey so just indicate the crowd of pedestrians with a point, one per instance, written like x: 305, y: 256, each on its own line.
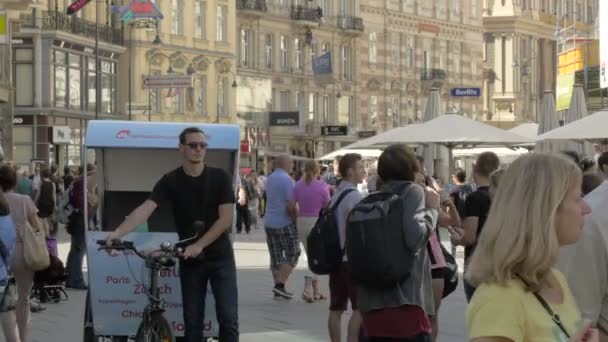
x: 536, y: 252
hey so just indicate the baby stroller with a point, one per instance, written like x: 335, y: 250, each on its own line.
x: 49, y: 284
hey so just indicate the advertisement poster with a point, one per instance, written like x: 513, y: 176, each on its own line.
x: 118, y: 285
x: 563, y: 93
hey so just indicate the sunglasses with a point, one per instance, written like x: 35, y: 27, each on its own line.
x: 195, y: 145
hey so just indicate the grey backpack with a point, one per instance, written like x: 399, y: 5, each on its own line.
x: 376, y: 248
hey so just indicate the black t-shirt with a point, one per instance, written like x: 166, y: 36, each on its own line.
x: 197, y: 199
x: 477, y: 204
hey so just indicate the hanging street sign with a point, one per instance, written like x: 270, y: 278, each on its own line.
x: 140, y: 9
x: 167, y: 81
x: 334, y: 130
x: 77, y: 6
x: 466, y: 92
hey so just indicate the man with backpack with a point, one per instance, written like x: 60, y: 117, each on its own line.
x: 341, y: 288
x: 461, y: 191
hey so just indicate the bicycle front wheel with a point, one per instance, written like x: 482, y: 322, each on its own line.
x: 155, y: 329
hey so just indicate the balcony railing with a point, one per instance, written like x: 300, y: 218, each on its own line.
x: 306, y: 13
x: 50, y: 20
x: 252, y: 5
x: 433, y: 75
x: 350, y: 23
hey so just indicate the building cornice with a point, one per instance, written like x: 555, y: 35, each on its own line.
x: 183, y: 49
x: 521, y: 25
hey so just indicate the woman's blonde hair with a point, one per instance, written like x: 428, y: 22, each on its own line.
x: 311, y: 171
x: 519, y: 237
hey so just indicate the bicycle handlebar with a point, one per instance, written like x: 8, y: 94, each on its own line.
x: 167, y: 248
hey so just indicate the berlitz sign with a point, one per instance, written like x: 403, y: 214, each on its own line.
x: 284, y: 119
x: 473, y: 92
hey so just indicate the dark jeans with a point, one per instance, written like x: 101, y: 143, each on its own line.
x: 469, y: 290
x: 77, y: 250
x: 243, y: 216
x: 194, y: 276
x: 419, y: 338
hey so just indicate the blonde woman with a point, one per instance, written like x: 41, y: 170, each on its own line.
x: 311, y: 195
x: 537, y: 208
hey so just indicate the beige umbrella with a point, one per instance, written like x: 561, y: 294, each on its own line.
x: 548, y: 121
x: 577, y: 111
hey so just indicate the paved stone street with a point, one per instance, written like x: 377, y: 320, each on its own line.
x: 262, y: 318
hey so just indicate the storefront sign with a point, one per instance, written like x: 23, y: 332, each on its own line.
x: 245, y: 148
x: 118, y: 293
x: 284, y: 119
x: 61, y: 135
x: 23, y: 120
x: 279, y: 148
x: 465, y: 92
x: 334, y: 130
x: 256, y: 137
x: 167, y: 81
x: 22, y: 41
x: 366, y: 134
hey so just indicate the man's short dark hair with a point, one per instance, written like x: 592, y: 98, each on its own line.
x: 590, y: 182
x: 8, y: 177
x: 348, y: 161
x: 397, y: 162
x: 461, y: 175
x: 45, y: 172
x: 66, y: 170
x: 487, y: 163
x: 189, y: 130
x: 576, y: 158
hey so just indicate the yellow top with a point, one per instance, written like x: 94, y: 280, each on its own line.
x: 514, y: 313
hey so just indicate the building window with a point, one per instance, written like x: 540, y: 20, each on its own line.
x: 455, y: 10
x: 395, y: 110
x: 297, y: 42
x: 457, y: 60
x: 222, y: 97
x: 344, y: 110
x: 373, y: 111
x: 299, y: 101
x: 91, y: 84
x: 269, y: 51
x: 155, y: 104
x: 410, y: 52
x: 285, y: 103
x: 201, y: 103
x: 200, y: 30
x: 473, y: 8
x: 284, y: 53
x: 325, y: 48
x: 108, y: 87
x: 346, y: 62
x: 407, y: 6
x: 312, y: 52
x: 61, y: 79
x: 326, y: 6
x: 345, y: 7
x: 75, y: 81
x: 24, y: 77
x: 373, y: 52
x: 222, y: 23
x: 395, y: 46
x: 245, y: 48
x: 325, y: 109
x: 312, y: 106
x: 177, y: 19
x: 443, y: 55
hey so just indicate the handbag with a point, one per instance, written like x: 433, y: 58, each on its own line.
x: 35, y: 251
x: 10, y: 296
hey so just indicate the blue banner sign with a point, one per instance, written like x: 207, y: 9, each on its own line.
x: 322, y: 65
x: 462, y: 92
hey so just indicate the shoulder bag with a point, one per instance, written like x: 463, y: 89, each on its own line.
x: 35, y: 251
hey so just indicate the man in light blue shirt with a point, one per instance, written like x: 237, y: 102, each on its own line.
x: 281, y: 231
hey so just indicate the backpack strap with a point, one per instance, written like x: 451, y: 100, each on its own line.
x: 4, y: 254
x: 341, y: 197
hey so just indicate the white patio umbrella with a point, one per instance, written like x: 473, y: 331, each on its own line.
x: 548, y: 121
x: 383, y: 139
x: 365, y: 153
x: 577, y: 111
x: 527, y: 130
x: 450, y: 130
x: 591, y: 127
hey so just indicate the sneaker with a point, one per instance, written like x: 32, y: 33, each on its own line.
x: 281, y: 292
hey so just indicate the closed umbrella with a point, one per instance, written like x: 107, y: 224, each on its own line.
x: 577, y: 111
x: 548, y: 121
x: 434, y: 156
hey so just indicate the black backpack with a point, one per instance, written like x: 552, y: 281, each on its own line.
x: 378, y: 256
x: 459, y: 197
x: 323, y: 243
